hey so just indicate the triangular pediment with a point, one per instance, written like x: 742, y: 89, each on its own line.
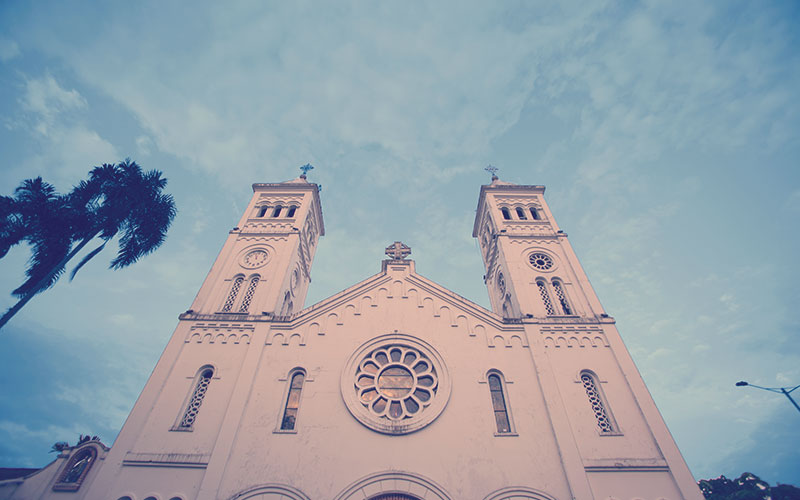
x: 399, y: 285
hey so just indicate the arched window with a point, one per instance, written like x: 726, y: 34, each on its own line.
x: 561, y: 295
x: 535, y: 214
x: 548, y: 304
x: 277, y: 211
x: 499, y: 404
x: 248, y: 294
x: 76, y: 469
x: 597, y: 401
x: 289, y: 417
x: 521, y: 214
x: 263, y: 211
x: 291, y: 211
x: 202, y: 381
x: 506, y: 213
x: 235, y: 286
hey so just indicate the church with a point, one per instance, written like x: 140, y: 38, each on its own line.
x: 393, y: 389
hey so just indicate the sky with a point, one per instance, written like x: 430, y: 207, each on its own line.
x: 666, y: 134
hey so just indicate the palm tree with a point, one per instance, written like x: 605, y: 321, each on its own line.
x: 117, y: 200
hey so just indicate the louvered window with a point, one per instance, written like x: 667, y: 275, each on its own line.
x: 601, y: 414
x: 248, y: 294
x: 548, y: 304
x: 235, y: 286
x: 193, y: 406
x: 562, y: 297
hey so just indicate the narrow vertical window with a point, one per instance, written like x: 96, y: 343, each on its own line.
x: 248, y: 294
x: 263, y: 211
x: 289, y: 419
x: 291, y: 211
x: 596, y: 401
x: 521, y: 214
x: 535, y: 214
x: 199, y: 392
x: 548, y: 304
x: 499, y: 404
x: 277, y: 211
x: 506, y: 213
x: 235, y: 286
x: 562, y: 297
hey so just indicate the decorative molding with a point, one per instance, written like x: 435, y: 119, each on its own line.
x: 518, y: 493
x: 221, y: 333
x: 180, y: 460
x: 573, y: 336
x: 271, y: 492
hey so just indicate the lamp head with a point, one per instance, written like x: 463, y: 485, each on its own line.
x: 741, y: 383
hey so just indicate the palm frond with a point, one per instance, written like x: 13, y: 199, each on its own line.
x: 86, y: 259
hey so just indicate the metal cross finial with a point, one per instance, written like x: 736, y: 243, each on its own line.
x: 492, y: 170
x: 305, y: 168
x: 398, y: 251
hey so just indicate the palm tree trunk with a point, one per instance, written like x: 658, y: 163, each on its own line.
x: 38, y: 288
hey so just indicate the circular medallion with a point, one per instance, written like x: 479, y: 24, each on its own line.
x: 255, y: 258
x: 395, y: 384
x: 541, y: 261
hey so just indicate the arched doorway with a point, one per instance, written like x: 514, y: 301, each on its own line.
x: 394, y: 496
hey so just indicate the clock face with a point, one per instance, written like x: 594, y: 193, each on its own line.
x: 255, y: 258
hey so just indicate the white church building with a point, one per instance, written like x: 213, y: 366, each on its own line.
x: 393, y: 389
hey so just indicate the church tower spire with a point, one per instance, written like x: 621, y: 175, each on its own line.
x: 264, y: 267
x: 531, y: 269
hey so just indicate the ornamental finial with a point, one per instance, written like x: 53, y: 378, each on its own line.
x: 305, y: 168
x: 492, y: 170
x: 398, y: 251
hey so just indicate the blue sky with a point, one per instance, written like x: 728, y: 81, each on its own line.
x: 666, y: 134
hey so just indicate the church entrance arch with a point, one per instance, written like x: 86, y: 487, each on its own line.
x: 393, y: 485
x: 394, y: 496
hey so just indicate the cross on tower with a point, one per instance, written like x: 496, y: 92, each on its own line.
x: 492, y: 170
x: 305, y: 168
x: 398, y: 251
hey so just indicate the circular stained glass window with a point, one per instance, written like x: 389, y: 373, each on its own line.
x: 541, y: 261
x: 395, y: 384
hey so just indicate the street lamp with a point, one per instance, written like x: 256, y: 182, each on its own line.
x: 779, y: 390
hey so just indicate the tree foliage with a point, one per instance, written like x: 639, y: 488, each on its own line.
x: 118, y: 200
x: 748, y: 486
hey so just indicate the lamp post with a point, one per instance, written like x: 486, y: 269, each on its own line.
x: 779, y: 390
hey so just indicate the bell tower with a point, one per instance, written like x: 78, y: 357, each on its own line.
x: 531, y: 269
x: 264, y: 267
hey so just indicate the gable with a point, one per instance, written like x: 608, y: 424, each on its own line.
x: 399, y: 287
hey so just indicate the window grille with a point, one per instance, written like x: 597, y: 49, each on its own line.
x: 193, y: 407
x: 562, y: 297
x: 289, y: 419
x: 235, y: 286
x: 248, y: 294
x: 499, y: 405
x: 596, y: 401
x: 548, y: 304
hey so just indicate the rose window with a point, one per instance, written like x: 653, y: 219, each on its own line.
x: 541, y: 261
x: 396, y: 382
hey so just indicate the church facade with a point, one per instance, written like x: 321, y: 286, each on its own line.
x: 393, y: 389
